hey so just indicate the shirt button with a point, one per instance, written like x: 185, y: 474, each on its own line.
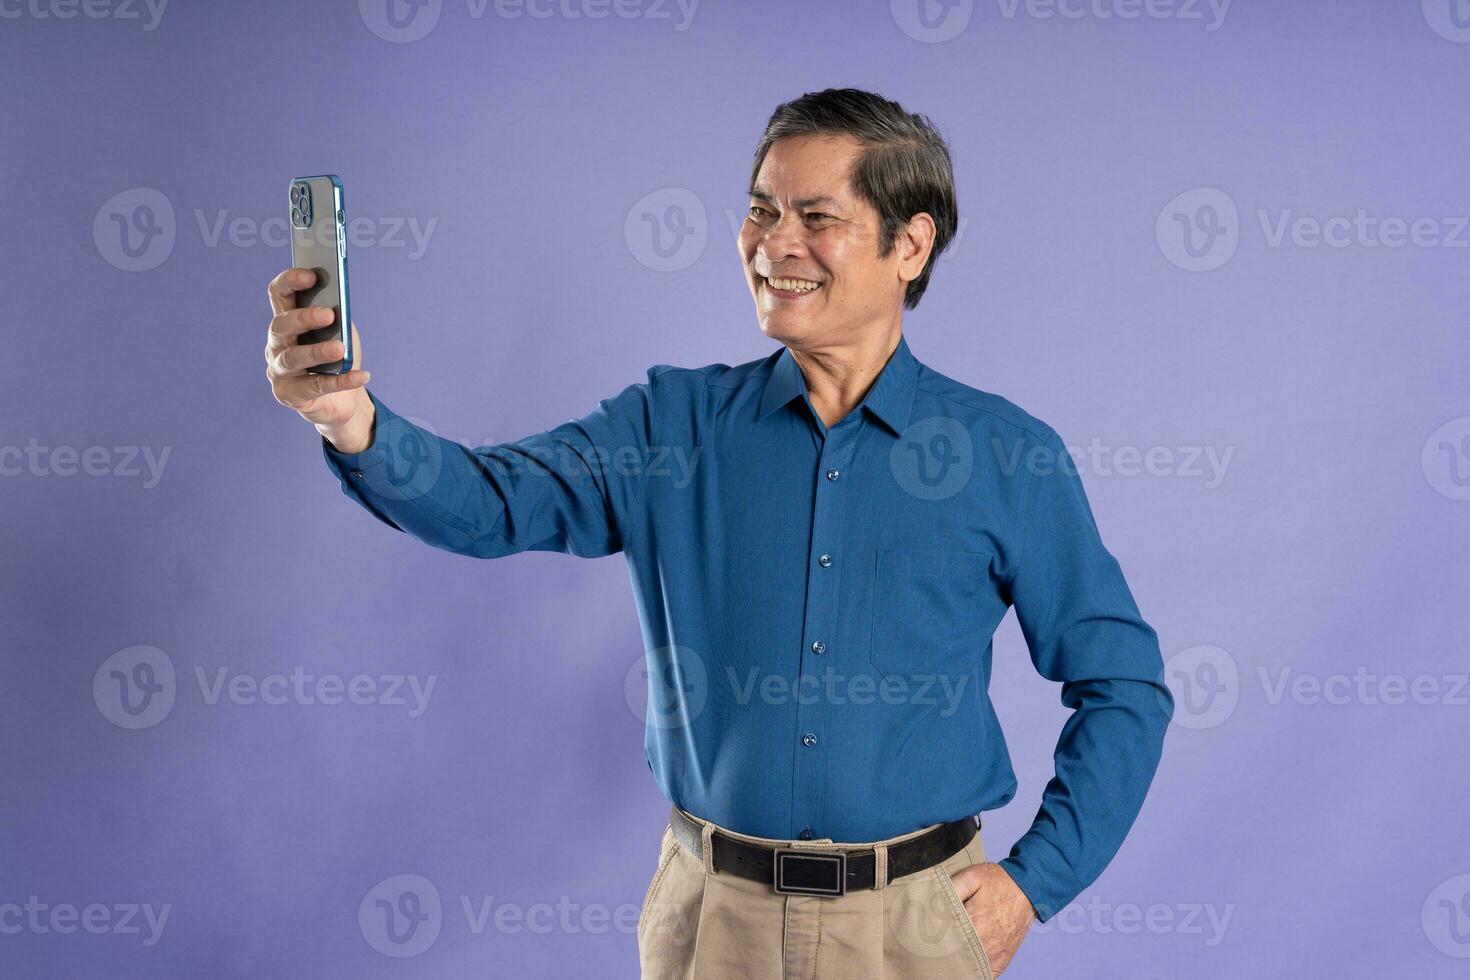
x: 825, y: 561
x: 833, y: 474
x: 357, y: 473
x: 818, y: 646
x: 806, y: 834
x: 809, y: 740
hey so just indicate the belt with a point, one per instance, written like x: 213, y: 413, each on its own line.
x: 792, y: 871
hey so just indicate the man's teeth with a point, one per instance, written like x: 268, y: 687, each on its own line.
x: 794, y: 285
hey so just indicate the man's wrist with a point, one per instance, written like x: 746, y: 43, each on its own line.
x: 1020, y: 892
x: 356, y: 434
x: 1028, y: 886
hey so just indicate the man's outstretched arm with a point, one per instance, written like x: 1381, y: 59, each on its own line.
x: 570, y: 489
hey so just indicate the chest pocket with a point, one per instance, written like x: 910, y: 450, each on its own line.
x: 930, y: 607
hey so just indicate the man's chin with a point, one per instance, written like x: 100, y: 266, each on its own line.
x: 785, y: 330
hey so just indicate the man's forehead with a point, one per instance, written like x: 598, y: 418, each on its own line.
x: 812, y: 171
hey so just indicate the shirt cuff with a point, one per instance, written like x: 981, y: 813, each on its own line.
x: 1042, y: 874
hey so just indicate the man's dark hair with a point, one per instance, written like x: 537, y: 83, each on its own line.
x: 903, y: 169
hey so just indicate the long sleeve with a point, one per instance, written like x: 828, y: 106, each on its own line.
x: 570, y: 489
x: 1085, y: 631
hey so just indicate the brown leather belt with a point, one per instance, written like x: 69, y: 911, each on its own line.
x: 803, y: 871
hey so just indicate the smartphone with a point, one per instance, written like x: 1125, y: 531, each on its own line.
x: 319, y: 243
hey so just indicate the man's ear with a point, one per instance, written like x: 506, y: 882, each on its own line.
x: 914, y: 243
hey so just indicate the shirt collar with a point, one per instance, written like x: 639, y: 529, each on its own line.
x: 891, y: 397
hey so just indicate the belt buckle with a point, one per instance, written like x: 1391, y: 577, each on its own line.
x: 811, y: 873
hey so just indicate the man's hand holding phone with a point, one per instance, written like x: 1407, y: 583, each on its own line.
x: 337, y: 404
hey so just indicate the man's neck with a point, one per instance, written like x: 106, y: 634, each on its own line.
x: 838, y: 377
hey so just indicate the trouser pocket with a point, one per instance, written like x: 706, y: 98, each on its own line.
x: 964, y: 924
x: 668, y: 846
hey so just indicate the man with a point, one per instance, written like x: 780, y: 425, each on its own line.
x: 819, y: 590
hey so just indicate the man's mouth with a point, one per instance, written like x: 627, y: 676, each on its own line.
x: 787, y: 288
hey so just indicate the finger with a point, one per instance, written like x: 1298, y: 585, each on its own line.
x: 967, y: 881
x: 294, y: 360
x: 283, y: 288
x: 285, y: 327
x: 302, y: 388
x: 356, y: 346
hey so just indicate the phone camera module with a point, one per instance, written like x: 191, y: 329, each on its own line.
x: 300, y: 206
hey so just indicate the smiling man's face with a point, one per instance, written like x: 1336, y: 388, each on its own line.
x: 805, y: 223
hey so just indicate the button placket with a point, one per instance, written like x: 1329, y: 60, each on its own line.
x: 820, y: 626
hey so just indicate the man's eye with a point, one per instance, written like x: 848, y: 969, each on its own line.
x: 754, y: 208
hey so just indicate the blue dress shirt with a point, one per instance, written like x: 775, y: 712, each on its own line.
x: 817, y: 603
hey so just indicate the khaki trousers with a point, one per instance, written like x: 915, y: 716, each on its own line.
x: 702, y: 925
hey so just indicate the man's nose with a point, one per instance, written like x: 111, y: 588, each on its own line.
x: 782, y: 239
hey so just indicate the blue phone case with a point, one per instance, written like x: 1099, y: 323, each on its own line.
x: 319, y: 243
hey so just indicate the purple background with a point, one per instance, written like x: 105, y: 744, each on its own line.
x: 1331, y: 835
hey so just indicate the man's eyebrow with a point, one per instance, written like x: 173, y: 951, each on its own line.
x: 823, y: 200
